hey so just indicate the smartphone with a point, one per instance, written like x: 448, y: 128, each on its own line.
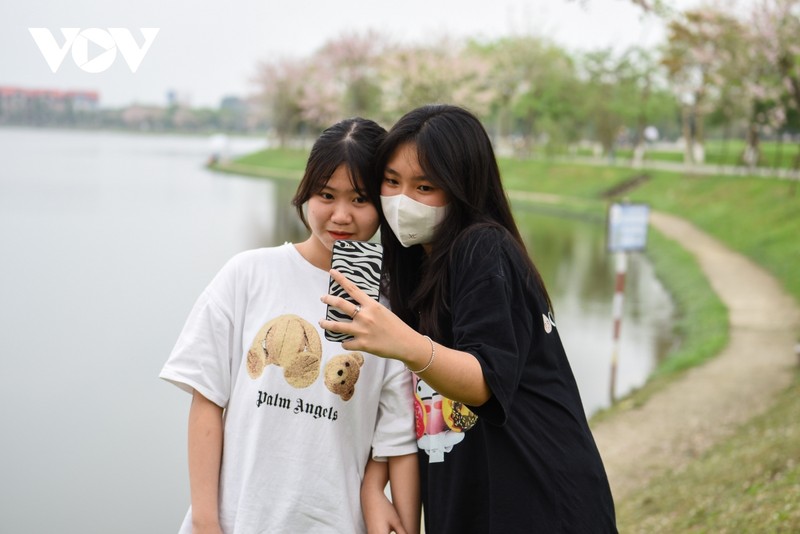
x: 360, y: 262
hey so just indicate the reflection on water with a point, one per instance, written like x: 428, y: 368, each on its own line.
x: 107, y: 240
x: 579, y: 274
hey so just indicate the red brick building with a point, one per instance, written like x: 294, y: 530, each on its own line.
x: 45, y: 106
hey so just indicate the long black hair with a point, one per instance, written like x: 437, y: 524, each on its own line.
x: 351, y: 142
x: 456, y: 155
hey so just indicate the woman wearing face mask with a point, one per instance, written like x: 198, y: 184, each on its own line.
x: 504, y: 445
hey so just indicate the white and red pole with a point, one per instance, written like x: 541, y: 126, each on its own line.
x: 619, y: 294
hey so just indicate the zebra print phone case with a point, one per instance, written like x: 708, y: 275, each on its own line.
x: 360, y: 262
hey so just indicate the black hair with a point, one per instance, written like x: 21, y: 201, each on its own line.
x: 352, y: 142
x: 456, y: 155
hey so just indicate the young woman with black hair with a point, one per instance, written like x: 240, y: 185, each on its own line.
x: 504, y: 441
x: 274, y: 446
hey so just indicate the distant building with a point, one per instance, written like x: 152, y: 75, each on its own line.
x: 233, y: 103
x: 45, y: 106
x: 81, y: 109
x: 233, y: 112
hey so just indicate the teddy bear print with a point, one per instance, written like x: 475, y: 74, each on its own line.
x: 290, y: 342
x: 341, y: 374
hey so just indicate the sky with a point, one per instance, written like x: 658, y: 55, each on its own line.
x: 204, y: 50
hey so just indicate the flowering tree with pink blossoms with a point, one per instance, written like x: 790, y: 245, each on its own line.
x: 701, y: 46
x: 343, y: 80
x: 442, y: 71
x: 281, y: 84
x: 721, y: 66
x: 775, y: 30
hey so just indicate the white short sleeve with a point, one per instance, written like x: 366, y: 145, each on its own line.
x: 201, y: 359
x: 394, y: 429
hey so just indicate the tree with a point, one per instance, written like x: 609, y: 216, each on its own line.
x: 343, y: 79
x: 535, y: 90
x: 623, y: 95
x: 701, y: 44
x: 643, y: 87
x: 443, y: 71
x: 282, y: 83
x: 776, y: 27
x: 612, y: 92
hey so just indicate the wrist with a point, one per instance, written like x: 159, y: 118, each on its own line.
x: 204, y: 520
x: 425, y: 361
x: 371, y: 490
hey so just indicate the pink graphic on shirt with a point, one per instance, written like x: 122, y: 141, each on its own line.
x: 435, y: 435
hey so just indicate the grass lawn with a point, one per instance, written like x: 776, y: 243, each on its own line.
x: 748, y: 483
x: 758, y: 217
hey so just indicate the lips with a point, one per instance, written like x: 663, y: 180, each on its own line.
x: 337, y: 235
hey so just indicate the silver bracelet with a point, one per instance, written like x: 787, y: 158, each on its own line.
x: 430, y: 362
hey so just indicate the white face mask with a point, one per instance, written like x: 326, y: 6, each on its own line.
x: 412, y: 222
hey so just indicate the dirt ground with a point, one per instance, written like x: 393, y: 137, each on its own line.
x: 707, y: 403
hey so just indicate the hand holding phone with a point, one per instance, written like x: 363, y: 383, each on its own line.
x: 360, y: 262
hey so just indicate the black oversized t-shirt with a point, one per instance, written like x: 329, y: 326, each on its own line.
x: 525, y: 461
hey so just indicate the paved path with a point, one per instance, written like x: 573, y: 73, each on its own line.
x: 707, y: 403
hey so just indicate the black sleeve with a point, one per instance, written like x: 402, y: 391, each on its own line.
x: 490, y: 318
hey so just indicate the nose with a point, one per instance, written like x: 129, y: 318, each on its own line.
x: 342, y: 213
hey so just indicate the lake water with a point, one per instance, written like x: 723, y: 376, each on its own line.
x: 107, y: 239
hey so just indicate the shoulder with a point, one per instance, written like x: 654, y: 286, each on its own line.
x: 485, y: 252
x: 250, y: 264
x: 256, y: 258
x: 258, y: 255
x: 483, y: 246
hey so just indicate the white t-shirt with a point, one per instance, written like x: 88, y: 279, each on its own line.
x: 301, y: 413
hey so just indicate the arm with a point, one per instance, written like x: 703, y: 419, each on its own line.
x: 455, y: 374
x: 404, y: 484
x: 380, y: 515
x: 205, y: 458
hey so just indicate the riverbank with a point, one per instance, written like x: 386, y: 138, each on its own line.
x: 680, y: 423
x: 715, y: 448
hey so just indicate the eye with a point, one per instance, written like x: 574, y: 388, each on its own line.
x: 361, y: 200
x: 325, y: 195
x: 389, y: 181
